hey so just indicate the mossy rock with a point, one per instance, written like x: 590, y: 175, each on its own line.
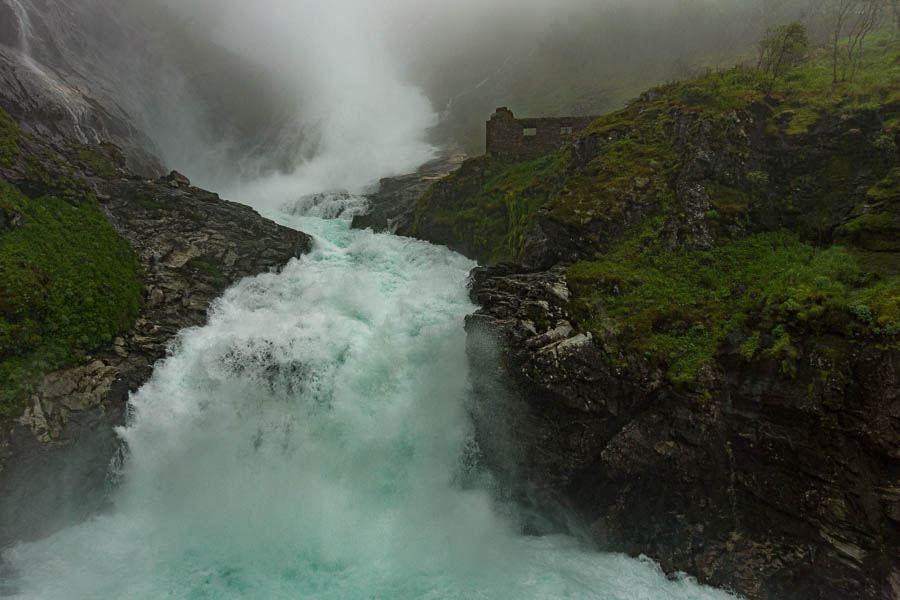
x: 875, y: 225
x: 95, y: 162
x: 487, y: 207
x: 68, y: 283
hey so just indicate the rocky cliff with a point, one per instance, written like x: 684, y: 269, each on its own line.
x: 100, y: 268
x: 697, y: 339
x: 392, y: 205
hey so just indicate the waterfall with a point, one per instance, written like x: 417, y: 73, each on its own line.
x: 310, y: 442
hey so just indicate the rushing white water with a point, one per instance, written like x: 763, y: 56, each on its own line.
x: 307, y: 443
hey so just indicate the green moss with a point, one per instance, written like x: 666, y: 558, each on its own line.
x: 878, y: 232
x: 205, y: 267
x: 68, y: 283
x: 883, y: 301
x: 888, y: 189
x: 728, y: 200
x: 871, y: 222
x: 750, y: 347
x: 803, y: 96
x: 95, y: 163
x: 797, y: 121
x: 758, y: 178
x: 601, y: 190
x: 676, y: 309
x: 875, y: 225
x: 9, y: 136
x: 493, y: 219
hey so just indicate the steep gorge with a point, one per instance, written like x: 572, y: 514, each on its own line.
x: 697, y: 341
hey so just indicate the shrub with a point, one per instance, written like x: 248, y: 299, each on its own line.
x: 862, y: 312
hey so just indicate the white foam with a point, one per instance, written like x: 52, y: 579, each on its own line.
x: 304, y: 444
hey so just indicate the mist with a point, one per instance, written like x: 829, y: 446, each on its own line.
x: 268, y: 101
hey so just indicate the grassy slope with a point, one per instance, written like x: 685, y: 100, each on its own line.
x: 68, y: 282
x: 677, y: 308
x: 763, y: 288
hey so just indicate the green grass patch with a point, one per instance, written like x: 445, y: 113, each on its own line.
x: 676, y: 309
x: 728, y: 200
x: 68, y: 283
x: 493, y: 222
x: 205, y: 267
x: 801, y: 97
x: 888, y: 189
x: 95, y: 163
x: 875, y: 225
x: 9, y: 136
x: 601, y: 189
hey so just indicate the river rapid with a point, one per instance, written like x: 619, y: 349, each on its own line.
x: 311, y: 441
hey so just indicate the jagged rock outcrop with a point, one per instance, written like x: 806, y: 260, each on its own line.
x: 191, y: 246
x: 393, y: 206
x: 774, y: 485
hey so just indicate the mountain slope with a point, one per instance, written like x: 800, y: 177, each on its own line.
x: 699, y: 345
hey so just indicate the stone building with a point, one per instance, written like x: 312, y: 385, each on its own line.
x: 520, y: 139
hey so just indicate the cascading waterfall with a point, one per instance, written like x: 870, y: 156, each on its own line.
x: 308, y: 443
x: 68, y: 98
x: 24, y: 26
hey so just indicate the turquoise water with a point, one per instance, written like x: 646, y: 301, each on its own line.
x: 307, y: 443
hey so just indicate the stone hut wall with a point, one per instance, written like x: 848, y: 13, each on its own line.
x: 520, y: 139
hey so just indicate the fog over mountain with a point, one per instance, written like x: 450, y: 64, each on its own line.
x: 282, y: 92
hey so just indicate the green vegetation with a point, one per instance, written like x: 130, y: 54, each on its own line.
x: 876, y: 224
x: 798, y: 251
x: 629, y: 167
x: 676, y: 309
x: 96, y: 163
x: 68, y: 282
x: 782, y: 49
x: 802, y: 93
x: 9, y: 135
x: 205, y: 267
x: 494, y: 203
x: 493, y: 221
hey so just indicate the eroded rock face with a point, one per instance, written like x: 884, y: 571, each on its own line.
x: 772, y: 485
x: 393, y: 205
x: 51, y: 105
x: 192, y: 245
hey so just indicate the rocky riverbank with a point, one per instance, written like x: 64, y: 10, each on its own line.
x: 773, y: 484
x: 190, y: 245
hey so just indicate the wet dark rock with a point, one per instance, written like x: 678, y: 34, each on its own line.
x: 772, y: 485
x: 176, y: 179
x: 10, y: 220
x: 50, y: 105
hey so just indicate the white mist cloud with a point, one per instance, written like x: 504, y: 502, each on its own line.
x: 359, y: 119
x: 267, y: 100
